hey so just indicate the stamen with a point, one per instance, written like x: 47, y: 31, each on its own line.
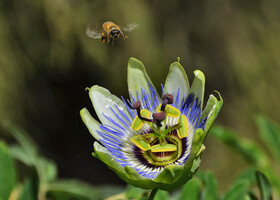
x: 137, y: 106
x: 166, y: 99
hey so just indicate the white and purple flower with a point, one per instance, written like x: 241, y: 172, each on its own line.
x: 149, y: 141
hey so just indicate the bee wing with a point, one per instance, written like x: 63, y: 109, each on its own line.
x: 92, y: 33
x: 129, y: 27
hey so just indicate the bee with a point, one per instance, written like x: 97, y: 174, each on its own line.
x: 111, y: 32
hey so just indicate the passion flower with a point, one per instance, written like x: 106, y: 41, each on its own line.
x: 152, y: 141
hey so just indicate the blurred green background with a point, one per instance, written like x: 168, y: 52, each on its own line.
x: 47, y: 61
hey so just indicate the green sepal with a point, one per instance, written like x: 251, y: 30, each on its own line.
x: 198, y: 86
x: 177, y: 79
x: 213, y: 115
x: 138, y: 79
x: 128, y: 174
x: 105, y: 156
x: 91, y: 123
x: 197, y: 146
x: 174, y: 176
x: 212, y: 101
x: 104, y: 102
x: 168, y: 176
x: 131, y: 176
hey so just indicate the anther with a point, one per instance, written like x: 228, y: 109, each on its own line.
x: 166, y: 99
x: 159, y: 116
x: 137, y: 106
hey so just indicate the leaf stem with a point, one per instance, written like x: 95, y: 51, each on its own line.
x: 153, y: 194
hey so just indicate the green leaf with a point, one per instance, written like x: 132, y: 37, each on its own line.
x: 19, y: 154
x: 28, y: 145
x: 238, y: 191
x: 49, y: 167
x: 29, y: 189
x: 210, y: 185
x: 249, y: 175
x: 191, y: 190
x: 111, y: 190
x: 264, y: 185
x: 134, y: 192
x: 177, y: 79
x: 251, y: 151
x: 269, y: 132
x: 161, y: 195
x: 73, y: 189
x: 251, y: 196
x: 8, y: 174
x: 138, y: 79
x: 45, y: 169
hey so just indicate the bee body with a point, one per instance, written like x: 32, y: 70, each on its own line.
x: 111, y: 32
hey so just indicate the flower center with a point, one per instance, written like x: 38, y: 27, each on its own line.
x: 165, y: 157
x: 159, y: 141
x: 158, y: 160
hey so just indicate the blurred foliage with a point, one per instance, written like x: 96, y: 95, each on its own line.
x: 46, y: 61
x: 9, y: 177
x: 42, y: 182
x: 254, y: 154
x: 204, y: 186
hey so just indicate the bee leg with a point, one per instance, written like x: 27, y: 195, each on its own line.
x: 108, y: 37
x: 102, y: 39
x: 124, y: 36
x: 113, y: 40
x: 103, y: 36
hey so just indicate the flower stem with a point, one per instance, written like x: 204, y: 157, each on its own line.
x: 153, y: 194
